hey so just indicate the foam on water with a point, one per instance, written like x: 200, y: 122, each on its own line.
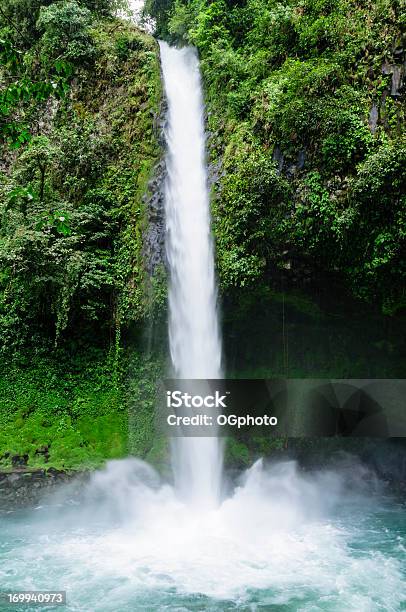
x: 282, y: 538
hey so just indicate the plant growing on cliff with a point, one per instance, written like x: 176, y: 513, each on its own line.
x: 66, y: 32
x: 317, y: 86
x: 248, y: 214
x: 71, y: 199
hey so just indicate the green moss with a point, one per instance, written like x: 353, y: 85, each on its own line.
x: 159, y: 455
x: 68, y: 415
x: 237, y: 454
x: 297, y: 301
x: 241, y: 453
x: 91, y: 167
x: 77, y: 412
x: 80, y: 283
x: 290, y: 87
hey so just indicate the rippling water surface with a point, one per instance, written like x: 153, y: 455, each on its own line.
x: 282, y: 540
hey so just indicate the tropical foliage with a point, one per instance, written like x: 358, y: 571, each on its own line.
x: 79, y: 95
x: 307, y: 119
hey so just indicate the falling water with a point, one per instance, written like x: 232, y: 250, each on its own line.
x: 194, y: 338
x: 283, y: 538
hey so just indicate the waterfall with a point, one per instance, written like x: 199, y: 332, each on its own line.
x: 194, y: 339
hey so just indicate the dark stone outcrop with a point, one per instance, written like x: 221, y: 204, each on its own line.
x: 397, y: 70
x: 154, y: 243
x: 155, y: 235
x: 25, y: 488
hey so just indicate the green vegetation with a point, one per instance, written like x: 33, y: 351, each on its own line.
x: 65, y: 414
x: 70, y: 412
x: 80, y: 94
x: 307, y: 124
x: 72, y: 216
x: 306, y: 121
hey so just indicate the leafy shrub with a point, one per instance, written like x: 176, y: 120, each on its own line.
x: 378, y: 234
x: 300, y: 79
x: 248, y: 216
x: 65, y: 26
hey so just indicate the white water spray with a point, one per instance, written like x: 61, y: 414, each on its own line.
x: 283, y: 539
x: 194, y: 339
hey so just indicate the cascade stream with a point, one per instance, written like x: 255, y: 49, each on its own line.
x: 282, y: 539
x: 194, y: 339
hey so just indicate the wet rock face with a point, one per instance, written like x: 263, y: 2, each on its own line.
x: 22, y: 488
x: 397, y: 70
x: 154, y: 245
x: 155, y: 235
x: 279, y: 158
x: 18, y: 460
x: 373, y: 118
x: 396, y: 89
x: 215, y: 172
